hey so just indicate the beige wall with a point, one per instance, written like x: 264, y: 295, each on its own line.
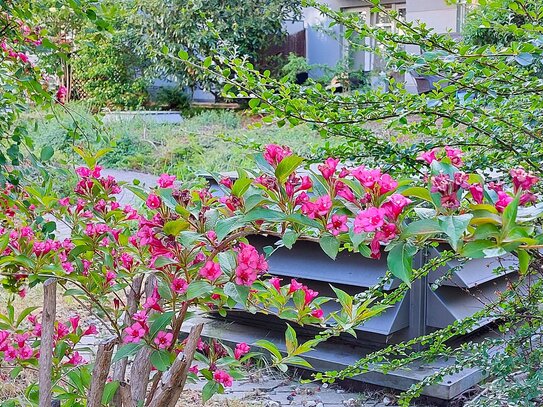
x: 435, y: 13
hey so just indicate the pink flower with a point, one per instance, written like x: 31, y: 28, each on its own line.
x: 42, y: 248
x: 64, y: 201
x: 394, y: 205
x: 220, y: 376
x: 318, y: 313
x: 25, y: 352
x: 166, y: 181
x: 526, y: 198
x: 369, y: 220
x: 153, y: 201
x: 319, y: 208
x: 295, y: 286
x: 227, y: 182
x: 429, y: 156
x: 76, y: 359
x: 91, y: 330
x: 477, y: 192
x: 310, y: 295
x: 10, y: 354
x: 337, y: 224
x: 503, y: 200
x: 83, y: 172
x: 140, y: 316
x: 522, y: 180
x: 368, y: 178
x: 386, y: 184
x: 62, y: 92
x: 250, y: 264
x: 276, y: 283
x: 455, y: 155
x: 345, y: 191
x: 274, y: 153
x: 211, y: 270
x: 163, y: 339
x: 134, y: 333
x: 328, y: 168
x: 194, y: 369
x: 127, y: 260
x: 241, y: 350
x: 4, y: 336
x: 179, y: 286
x: 68, y: 267
x: 74, y: 322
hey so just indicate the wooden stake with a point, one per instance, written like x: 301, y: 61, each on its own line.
x: 100, y: 372
x: 45, y: 379
x: 172, y: 384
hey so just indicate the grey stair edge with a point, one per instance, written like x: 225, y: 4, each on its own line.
x: 325, y: 358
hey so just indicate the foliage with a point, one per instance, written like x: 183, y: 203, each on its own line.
x: 294, y: 66
x: 199, y: 27
x: 174, y: 98
x: 109, y: 72
x: 192, y: 248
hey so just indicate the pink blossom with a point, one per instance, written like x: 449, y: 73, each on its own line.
x: 153, y: 201
x: 250, y: 264
x: 127, y: 260
x: 428, y: 156
x: 318, y: 313
x: 227, y: 182
x: 503, y: 200
x: 166, y: 181
x: 25, y: 352
x: 319, y: 208
x: 91, y: 330
x: 68, y: 267
x: 522, y: 180
x: 62, y: 92
x: 455, y: 155
x: 345, y: 191
x: 526, y: 198
x: 241, y: 350
x: 76, y: 359
x: 276, y: 283
x: 294, y: 286
x: 369, y: 220
x: 134, y: 333
x: 368, y: 178
x: 140, y: 316
x: 220, y: 376
x: 4, y: 336
x: 211, y: 270
x: 62, y: 330
x: 163, y: 339
x: 74, y: 322
x: 477, y: 192
x: 42, y: 248
x: 194, y: 369
x: 394, y: 205
x: 450, y: 201
x: 179, y: 286
x: 274, y: 153
x: 10, y: 354
x: 83, y: 172
x: 328, y: 168
x: 386, y: 184
x: 310, y: 295
x: 337, y: 224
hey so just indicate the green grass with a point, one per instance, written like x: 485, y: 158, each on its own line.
x: 211, y: 141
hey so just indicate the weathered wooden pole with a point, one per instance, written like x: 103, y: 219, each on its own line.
x: 100, y: 372
x: 45, y: 379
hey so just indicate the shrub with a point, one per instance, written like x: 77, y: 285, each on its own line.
x: 174, y: 98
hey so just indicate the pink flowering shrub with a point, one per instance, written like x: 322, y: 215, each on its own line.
x: 145, y: 269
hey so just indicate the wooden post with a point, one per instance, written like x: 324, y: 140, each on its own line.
x: 100, y: 372
x: 172, y: 384
x: 45, y: 379
x: 119, y: 369
x: 141, y: 367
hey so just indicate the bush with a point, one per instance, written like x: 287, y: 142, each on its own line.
x: 173, y: 98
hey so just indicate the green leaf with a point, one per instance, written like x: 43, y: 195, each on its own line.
x: 265, y: 214
x: 109, y: 391
x: 184, y: 55
x: 238, y: 293
x: 127, y: 350
x: 241, y: 186
x: 330, y: 245
x: 270, y: 347
x: 455, y: 227
x: 198, y: 288
x: 254, y: 103
x: 46, y: 153
x: 523, y: 260
x: 24, y: 313
x: 225, y: 226
x: 159, y: 322
x: 475, y: 249
x: 289, y: 238
x: 161, y: 359
x: 210, y: 388
x: 400, y: 261
x: 290, y: 340
x: 162, y: 261
x: 174, y: 227
x: 509, y: 215
x: 422, y: 227
x: 287, y: 166
x: 418, y: 192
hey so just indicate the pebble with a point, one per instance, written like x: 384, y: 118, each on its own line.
x: 387, y: 401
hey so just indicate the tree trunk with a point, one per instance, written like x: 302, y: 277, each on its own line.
x: 45, y: 379
x: 100, y: 372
